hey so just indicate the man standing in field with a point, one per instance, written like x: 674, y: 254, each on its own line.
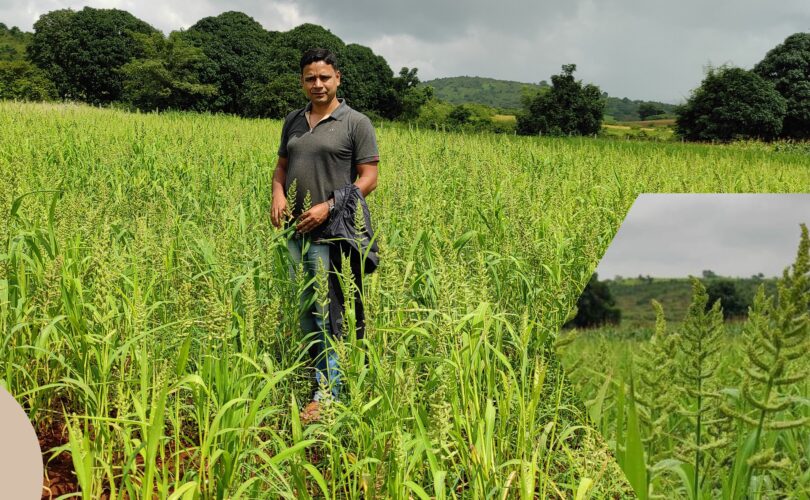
x: 328, y: 152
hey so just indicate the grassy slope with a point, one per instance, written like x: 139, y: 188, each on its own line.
x: 633, y: 297
x: 506, y: 94
x: 13, y: 44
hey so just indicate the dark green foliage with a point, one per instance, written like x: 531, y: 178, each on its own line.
x: 460, y: 115
x: 13, y: 43
x: 439, y: 115
x: 22, y: 80
x: 367, y: 82
x: 51, y: 32
x: 240, y: 51
x: 625, y: 109
x: 787, y: 66
x: 410, y: 97
x: 647, y: 110
x: 226, y: 63
x: 276, y: 98
x: 567, y: 108
x: 731, y: 104
x: 595, y: 306
x: 83, y: 52
x: 168, y: 74
x: 732, y: 299
x: 309, y: 36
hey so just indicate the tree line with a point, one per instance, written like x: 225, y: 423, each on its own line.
x: 597, y: 306
x: 227, y: 63
x: 770, y: 101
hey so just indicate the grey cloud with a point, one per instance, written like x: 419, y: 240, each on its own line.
x: 438, y: 21
x: 677, y: 235
x: 630, y: 48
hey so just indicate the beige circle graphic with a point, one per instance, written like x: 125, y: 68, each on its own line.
x: 20, y: 457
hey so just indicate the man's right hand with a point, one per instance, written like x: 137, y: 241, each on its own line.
x: 277, y: 212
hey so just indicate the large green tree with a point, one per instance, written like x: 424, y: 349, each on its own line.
x: 309, y: 36
x: 596, y: 306
x: 168, y: 75
x: 730, y: 104
x: 83, y: 52
x: 788, y: 66
x: 241, y: 53
x: 567, y: 108
x: 408, y: 98
x: 733, y: 300
x: 367, y: 80
x: 648, y: 109
x: 51, y: 33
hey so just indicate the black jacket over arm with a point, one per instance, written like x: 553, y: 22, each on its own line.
x: 358, y: 244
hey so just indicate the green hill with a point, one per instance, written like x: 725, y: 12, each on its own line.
x: 13, y: 43
x: 633, y: 296
x: 501, y: 94
x: 505, y: 94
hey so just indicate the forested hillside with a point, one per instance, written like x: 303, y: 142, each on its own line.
x: 13, y: 43
x: 505, y: 94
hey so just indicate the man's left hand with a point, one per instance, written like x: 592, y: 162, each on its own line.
x: 313, y: 218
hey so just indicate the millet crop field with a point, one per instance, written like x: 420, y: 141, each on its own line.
x: 148, y: 315
x: 705, y: 408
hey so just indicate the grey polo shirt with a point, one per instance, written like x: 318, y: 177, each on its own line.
x: 325, y: 158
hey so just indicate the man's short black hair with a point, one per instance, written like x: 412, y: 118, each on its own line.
x: 314, y: 55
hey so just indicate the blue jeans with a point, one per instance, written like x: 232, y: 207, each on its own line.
x: 313, y: 313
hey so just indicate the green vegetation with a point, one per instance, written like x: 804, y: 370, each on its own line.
x: 19, y: 79
x: 652, y: 130
x: 732, y: 104
x: 648, y: 111
x: 595, y: 306
x: 168, y: 75
x: 787, y: 66
x: 13, y: 43
x: 633, y: 296
x: 735, y: 301
x: 499, y: 94
x: 438, y: 115
x: 227, y: 63
x: 567, y: 108
x: 770, y: 101
x: 707, y: 409
x: 83, y: 52
x: 629, y: 110
x: 506, y: 97
x: 149, y: 324
x: 237, y: 55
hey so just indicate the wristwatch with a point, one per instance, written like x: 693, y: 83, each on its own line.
x: 331, y: 203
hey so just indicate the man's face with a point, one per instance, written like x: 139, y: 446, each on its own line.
x: 320, y: 81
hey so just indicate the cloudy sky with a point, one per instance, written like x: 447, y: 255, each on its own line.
x: 630, y: 48
x: 674, y: 235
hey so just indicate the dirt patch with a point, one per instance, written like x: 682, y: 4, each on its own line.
x: 59, y: 476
